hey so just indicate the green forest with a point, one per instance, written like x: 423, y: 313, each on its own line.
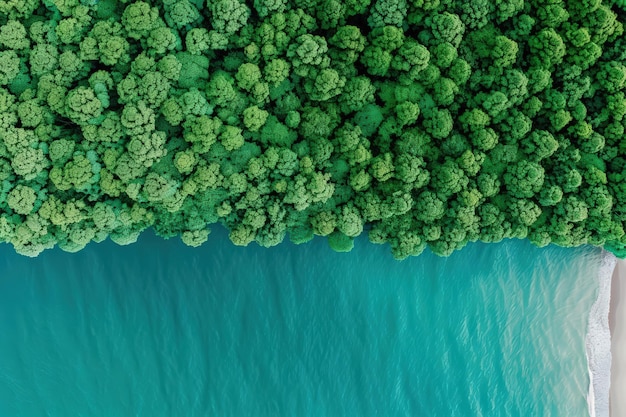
x: 422, y: 123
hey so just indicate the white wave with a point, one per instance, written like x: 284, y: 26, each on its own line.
x: 598, y: 342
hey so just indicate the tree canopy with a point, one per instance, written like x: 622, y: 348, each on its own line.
x: 423, y: 123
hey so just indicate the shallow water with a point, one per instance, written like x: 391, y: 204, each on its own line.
x: 159, y: 329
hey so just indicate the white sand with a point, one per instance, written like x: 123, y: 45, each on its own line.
x: 617, y: 321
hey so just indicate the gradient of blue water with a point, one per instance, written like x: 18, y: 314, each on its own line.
x: 159, y: 329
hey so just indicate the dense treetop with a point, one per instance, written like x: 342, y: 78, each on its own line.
x: 422, y: 122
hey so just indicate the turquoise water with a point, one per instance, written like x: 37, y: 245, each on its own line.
x: 159, y: 329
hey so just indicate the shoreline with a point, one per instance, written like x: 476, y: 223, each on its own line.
x: 598, y: 342
x: 617, y: 327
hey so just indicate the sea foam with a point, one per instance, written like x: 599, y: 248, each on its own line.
x: 598, y: 342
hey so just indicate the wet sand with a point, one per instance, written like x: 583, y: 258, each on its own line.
x: 617, y: 324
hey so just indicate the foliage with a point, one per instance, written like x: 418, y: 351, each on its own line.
x: 427, y: 123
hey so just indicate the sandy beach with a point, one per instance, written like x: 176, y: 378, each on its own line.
x: 617, y: 324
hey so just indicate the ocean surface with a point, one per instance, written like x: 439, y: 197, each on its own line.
x: 159, y: 329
